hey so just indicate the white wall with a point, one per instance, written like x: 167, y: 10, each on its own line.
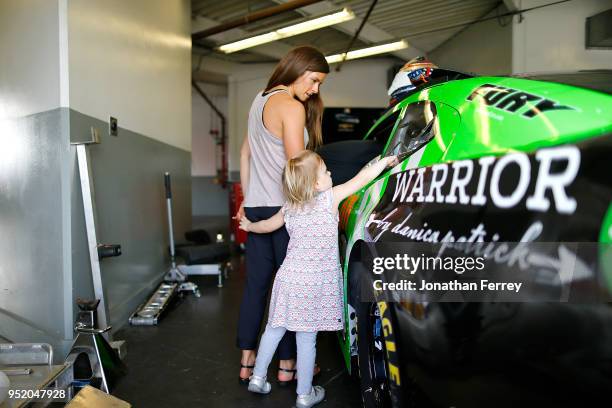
x: 202, y: 144
x: 132, y: 60
x: 483, y: 48
x: 553, y: 38
x: 29, y: 57
x: 360, y: 83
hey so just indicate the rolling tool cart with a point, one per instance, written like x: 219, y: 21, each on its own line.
x: 204, y: 259
x: 174, y: 274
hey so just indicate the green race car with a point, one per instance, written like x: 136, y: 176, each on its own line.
x: 487, y: 160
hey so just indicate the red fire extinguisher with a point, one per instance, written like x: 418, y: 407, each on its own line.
x: 236, y: 198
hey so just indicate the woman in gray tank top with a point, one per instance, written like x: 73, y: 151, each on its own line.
x: 284, y: 119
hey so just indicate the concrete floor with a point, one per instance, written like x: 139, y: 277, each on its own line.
x: 190, y: 358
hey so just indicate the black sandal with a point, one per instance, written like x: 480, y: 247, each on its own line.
x: 245, y: 380
x: 294, y: 378
x: 293, y: 371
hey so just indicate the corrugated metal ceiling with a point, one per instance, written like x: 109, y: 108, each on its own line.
x: 406, y: 19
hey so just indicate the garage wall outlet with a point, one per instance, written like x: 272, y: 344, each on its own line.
x: 113, y: 127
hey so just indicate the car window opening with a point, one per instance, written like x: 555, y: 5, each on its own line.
x: 414, y: 131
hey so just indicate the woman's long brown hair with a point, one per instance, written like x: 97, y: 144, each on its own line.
x: 291, y: 67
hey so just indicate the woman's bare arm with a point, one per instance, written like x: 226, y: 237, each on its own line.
x: 293, y: 117
x: 245, y: 164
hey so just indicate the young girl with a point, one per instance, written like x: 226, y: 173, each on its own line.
x: 307, y: 292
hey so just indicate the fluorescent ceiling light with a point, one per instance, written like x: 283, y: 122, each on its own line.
x: 366, y: 52
x: 295, y: 29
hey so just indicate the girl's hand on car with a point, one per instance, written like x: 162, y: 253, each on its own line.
x: 244, y: 224
x: 392, y: 161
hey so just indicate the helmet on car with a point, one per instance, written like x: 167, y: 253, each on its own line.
x: 414, y: 73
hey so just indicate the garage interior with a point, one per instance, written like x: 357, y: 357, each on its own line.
x: 116, y: 114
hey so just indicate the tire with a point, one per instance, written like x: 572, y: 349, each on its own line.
x: 374, y: 385
x: 378, y: 365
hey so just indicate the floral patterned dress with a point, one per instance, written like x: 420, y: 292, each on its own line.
x: 307, y: 291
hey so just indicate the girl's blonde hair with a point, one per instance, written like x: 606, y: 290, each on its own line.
x: 300, y: 177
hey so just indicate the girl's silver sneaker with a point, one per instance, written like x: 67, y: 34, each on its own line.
x: 259, y: 385
x: 306, y: 401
